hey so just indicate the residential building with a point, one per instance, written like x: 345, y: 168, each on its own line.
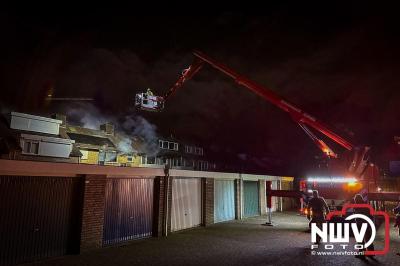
x: 102, y: 146
x: 178, y: 154
x: 30, y: 137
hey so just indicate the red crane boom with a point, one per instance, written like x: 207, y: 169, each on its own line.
x: 360, y: 159
x: 296, y: 113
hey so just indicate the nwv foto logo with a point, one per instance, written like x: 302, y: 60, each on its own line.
x: 334, y: 233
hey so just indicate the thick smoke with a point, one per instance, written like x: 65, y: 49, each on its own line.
x: 135, y: 133
x: 125, y: 146
x: 87, y: 115
x: 140, y: 127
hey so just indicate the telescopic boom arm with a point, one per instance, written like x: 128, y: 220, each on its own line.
x: 299, y: 116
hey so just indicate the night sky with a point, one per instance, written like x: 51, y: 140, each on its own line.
x: 339, y: 63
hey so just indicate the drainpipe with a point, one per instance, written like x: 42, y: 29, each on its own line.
x: 166, y: 209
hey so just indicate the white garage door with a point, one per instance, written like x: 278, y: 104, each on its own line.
x: 275, y: 200
x: 186, y: 203
x: 224, y: 200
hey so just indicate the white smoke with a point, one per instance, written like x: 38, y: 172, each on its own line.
x: 125, y: 145
x: 130, y: 128
x: 87, y: 115
x: 140, y: 127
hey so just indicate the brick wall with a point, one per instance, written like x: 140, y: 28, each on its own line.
x: 238, y: 203
x: 93, y: 212
x: 160, y: 216
x: 208, y: 201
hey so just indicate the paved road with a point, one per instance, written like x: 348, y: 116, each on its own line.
x: 244, y: 242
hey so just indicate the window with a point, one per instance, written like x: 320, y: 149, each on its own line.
x: 163, y: 144
x: 30, y: 147
x: 27, y: 147
x: 203, y: 166
x: 111, y: 156
x: 151, y: 160
x: 171, y: 145
x: 196, y: 150
x: 102, y: 156
x: 188, y: 149
x: 129, y: 158
x: 85, y: 154
x: 35, y: 148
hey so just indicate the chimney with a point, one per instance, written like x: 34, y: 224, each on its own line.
x: 108, y: 128
x: 61, y: 117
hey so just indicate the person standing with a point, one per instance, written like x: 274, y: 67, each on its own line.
x: 317, y: 210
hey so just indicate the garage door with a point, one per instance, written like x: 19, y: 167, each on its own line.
x: 275, y: 200
x: 39, y: 217
x: 186, y: 203
x: 250, y: 199
x: 224, y: 200
x: 128, y: 212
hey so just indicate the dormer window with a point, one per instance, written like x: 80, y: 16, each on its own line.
x: 168, y: 145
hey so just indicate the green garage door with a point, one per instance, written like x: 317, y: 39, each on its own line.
x: 251, y: 205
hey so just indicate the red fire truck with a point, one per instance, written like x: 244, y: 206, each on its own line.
x: 336, y: 190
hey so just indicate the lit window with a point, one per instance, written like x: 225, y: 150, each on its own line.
x: 85, y: 154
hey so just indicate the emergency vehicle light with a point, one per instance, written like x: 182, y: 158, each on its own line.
x: 338, y: 179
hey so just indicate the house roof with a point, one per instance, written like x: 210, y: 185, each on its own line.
x: 91, y: 140
x: 75, y: 152
x: 86, y: 131
x: 97, y: 139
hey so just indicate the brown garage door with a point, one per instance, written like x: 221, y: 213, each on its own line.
x: 39, y: 217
